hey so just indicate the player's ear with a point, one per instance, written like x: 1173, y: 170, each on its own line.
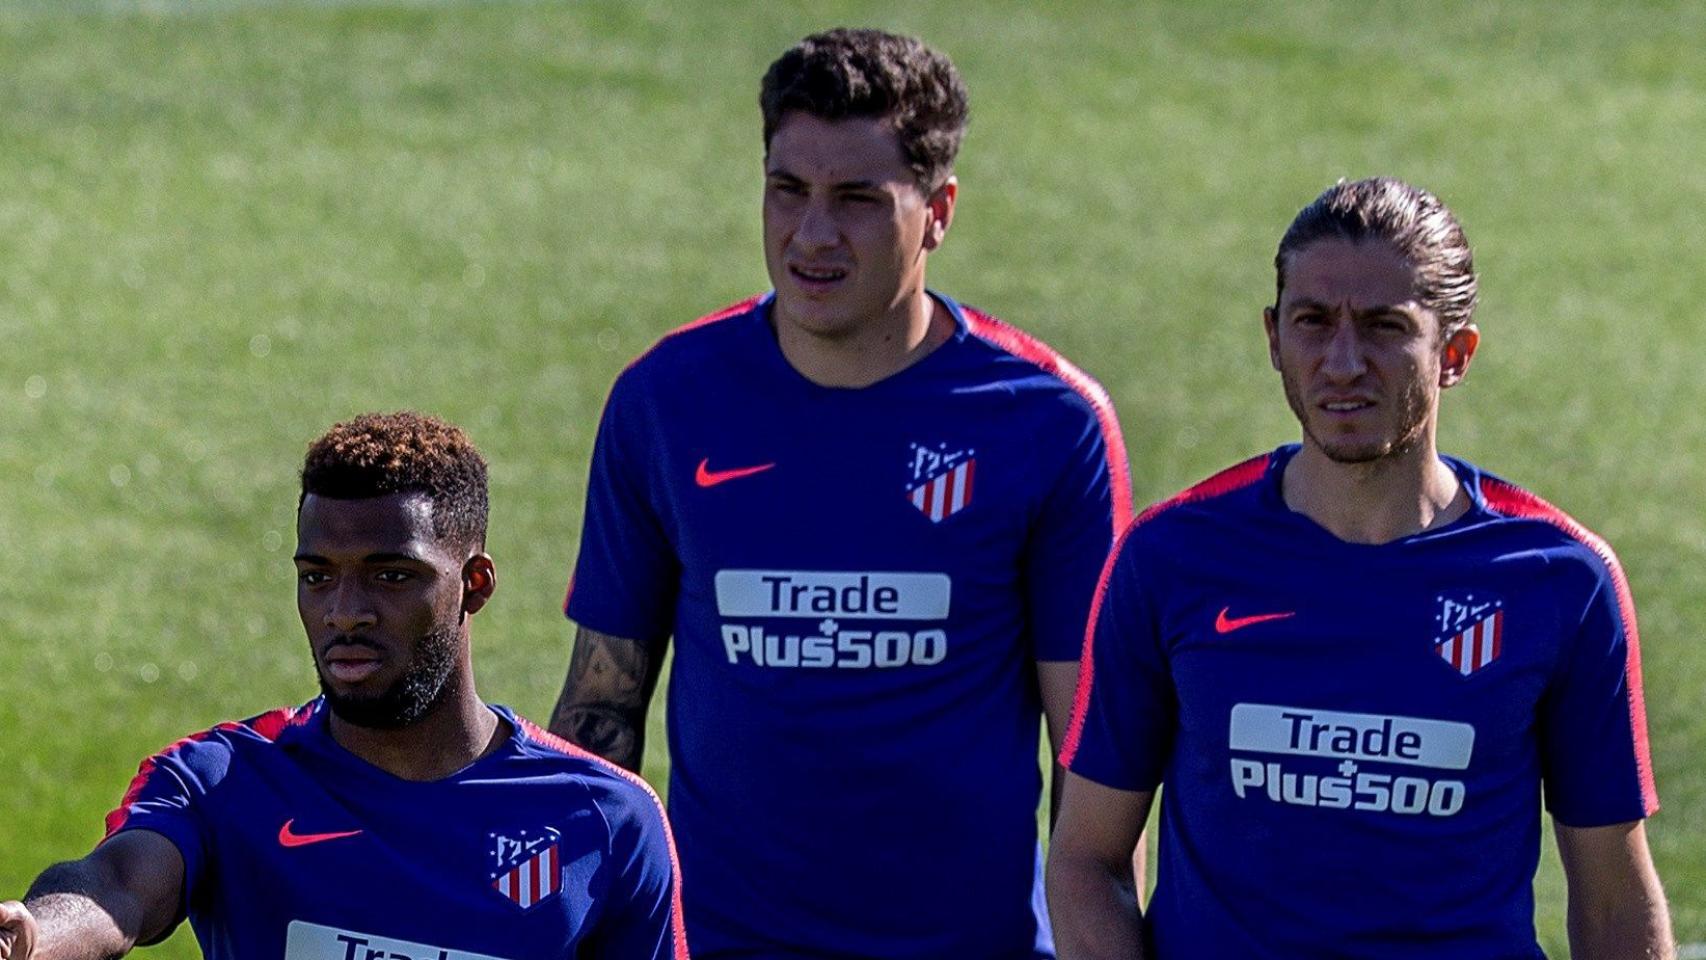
x: 1455, y: 354
x: 1270, y: 326
x: 479, y: 581
x: 940, y: 205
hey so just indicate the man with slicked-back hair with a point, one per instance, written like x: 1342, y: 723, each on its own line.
x: 1357, y: 665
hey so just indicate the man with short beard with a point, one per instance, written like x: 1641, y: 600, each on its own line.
x: 1356, y: 664
x: 396, y: 814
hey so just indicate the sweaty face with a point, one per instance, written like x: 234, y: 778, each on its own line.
x: 381, y: 599
x: 1359, y: 354
x: 846, y: 225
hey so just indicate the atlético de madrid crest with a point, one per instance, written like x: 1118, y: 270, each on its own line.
x: 527, y: 865
x: 1471, y: 631
x: 941, y: 483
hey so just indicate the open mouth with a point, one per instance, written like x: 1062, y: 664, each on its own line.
x: 1346, y: 406
x: 816, y: 276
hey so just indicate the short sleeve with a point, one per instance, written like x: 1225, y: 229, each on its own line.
x: 166, y: 798
x: 1124, y: 715
x: 1593, y: 738
x: 627, y: 574
x: 1069, y: 543
x: 641, y: 918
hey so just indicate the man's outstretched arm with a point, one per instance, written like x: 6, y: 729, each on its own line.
x: 1091, y: 897
x: 1617, y: 908
x: 125, y: 892
x: 603, y: 704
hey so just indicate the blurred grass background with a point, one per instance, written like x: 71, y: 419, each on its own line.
x: 224, y: 225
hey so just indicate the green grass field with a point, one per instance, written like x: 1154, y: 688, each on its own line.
x: 224, y: 225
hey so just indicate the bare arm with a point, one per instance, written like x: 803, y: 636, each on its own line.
x: 125, y: 892
x: 1059, y: 684
x: 605, y: 696
x: 1617, y: 909
x: 1091, y: 897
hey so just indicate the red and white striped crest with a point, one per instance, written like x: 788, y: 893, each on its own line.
x: 533, y: 879
x: 1476, y: 646
x: 945, y: 494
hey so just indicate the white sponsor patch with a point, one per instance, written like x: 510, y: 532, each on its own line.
x: 849, y: 596
x: 1265, y: 728
x: 311, y: 941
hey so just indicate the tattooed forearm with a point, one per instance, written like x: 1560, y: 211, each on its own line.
x: 604, y: 699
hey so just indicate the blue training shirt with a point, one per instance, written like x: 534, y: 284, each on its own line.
x: 1354, y: 739
x: 295, y: 848
x: 860, y: 583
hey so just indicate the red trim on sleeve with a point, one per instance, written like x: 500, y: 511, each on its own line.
x: 1512, y: 500
x: 728, y: 312
x: 1222, y: 483
x: 551, y: 741
x: 1026, y: 347
x: 269, y: 725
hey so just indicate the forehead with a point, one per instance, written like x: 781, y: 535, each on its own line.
x: 1364, y: 274
x: 396, y: 523
x: 855, y: 148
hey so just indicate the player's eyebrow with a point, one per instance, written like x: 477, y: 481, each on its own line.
x: 789, y: 178
x: 1379, y: 310
x: 382, y: 557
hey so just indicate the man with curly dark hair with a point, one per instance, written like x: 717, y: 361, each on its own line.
x: 871, y: 520
x: 396, y: 814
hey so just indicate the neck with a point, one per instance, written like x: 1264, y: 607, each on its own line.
x: 454, y: 733
x: 1378, y: 501
x: 872, y: 351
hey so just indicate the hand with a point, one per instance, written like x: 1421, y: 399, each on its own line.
x: 17, y: 931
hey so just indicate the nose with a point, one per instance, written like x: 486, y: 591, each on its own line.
x: 817, y: 229
x: 1344, y: 360
x: 348, y: 609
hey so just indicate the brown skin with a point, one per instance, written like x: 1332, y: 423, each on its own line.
x: 1351, y: 333
x: 372, y: 569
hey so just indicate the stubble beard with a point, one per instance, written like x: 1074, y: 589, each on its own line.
x: 1411, y: 432
x: 428, y: 682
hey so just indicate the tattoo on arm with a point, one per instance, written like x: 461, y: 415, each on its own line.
x: 603, y: 704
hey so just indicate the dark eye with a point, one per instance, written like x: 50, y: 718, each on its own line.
x: 393, y: 576
x: 312, y: 578
x: 1309, y: 318
x: 787, y: 188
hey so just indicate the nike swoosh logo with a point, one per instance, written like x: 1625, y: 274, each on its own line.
x: 706, y: 477
x: 291, y: 839
x: 1226, y: 624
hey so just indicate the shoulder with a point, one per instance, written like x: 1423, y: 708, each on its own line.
x: 1547, y: 528
x: 621, y: 796
x: 1216, y: 495
x: 196, y: 764
x: 233, y: 737
x: 1030, y: 364
x: 686, y: 347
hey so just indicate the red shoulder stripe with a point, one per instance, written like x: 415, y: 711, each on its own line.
x: 1514, y: 501
x: 1222, y: 483
x: 550, y: 740
x: 269, y: 725
x: 1026, y: 347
